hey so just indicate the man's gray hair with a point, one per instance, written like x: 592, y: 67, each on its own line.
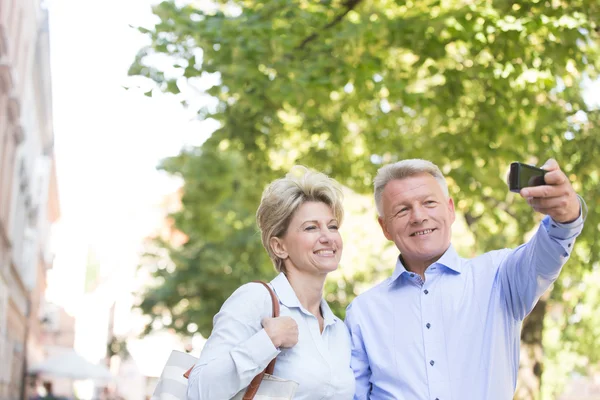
x: 404, y: 169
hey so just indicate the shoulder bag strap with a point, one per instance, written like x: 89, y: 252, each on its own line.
x: 253, y: 387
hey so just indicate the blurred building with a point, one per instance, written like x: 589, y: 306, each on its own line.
x: 28, y: 190
x: 58, y: 334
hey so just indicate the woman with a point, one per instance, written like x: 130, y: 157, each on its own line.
x: 299, y: 217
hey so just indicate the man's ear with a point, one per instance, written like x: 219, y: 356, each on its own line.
x: 278, y: 247
x: 384, y: 228
x: 451, y: 209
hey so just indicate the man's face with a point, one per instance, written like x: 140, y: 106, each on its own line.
x: 418, y: 218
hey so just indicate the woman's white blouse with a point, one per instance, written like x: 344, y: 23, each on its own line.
x: 239, y: 348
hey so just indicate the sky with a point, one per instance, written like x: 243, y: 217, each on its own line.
x: 108, y: 141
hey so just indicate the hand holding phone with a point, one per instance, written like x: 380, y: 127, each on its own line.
x: 546, y: 190
x: 524, y: 175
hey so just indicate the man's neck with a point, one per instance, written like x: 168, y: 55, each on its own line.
x: 420, y: 266
x: 415, y: 267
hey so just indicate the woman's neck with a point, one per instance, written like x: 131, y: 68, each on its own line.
x: 308, y: 289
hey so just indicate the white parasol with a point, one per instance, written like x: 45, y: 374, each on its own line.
x: 69, y: 364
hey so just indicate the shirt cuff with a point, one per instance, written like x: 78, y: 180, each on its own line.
x: 564, y: 234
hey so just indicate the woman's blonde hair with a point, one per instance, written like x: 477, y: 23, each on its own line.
x: 283, y: 196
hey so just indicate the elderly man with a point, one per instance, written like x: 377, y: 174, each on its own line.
x: 444, y: 327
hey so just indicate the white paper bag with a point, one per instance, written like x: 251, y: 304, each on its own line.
x: 172, y: 385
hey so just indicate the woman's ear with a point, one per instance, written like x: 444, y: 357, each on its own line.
x: 278, y: 247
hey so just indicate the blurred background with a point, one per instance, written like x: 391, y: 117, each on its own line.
x: 136, y: 138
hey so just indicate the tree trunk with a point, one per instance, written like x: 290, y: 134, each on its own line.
x: 530, y: 368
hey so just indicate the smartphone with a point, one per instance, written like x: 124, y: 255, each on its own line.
x: 523, y: 175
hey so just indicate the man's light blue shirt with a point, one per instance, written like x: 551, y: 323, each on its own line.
x: 456, y: 335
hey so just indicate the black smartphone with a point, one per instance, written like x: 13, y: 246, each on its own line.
x: 523, y: 175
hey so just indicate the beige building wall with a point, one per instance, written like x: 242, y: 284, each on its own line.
x: 28, y: 192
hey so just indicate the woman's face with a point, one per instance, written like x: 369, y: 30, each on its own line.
x: 312, y: 243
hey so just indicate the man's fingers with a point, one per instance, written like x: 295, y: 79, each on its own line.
x: 545, y: 192
x: 538, y: 191
x: 548, y: 203
x: 562, y: 208
x: 559, y: 214
x: 556, y: 185
x: 550, y: 165
x: 555, y: 177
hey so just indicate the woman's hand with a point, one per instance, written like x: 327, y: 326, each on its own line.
x: 283, y: 331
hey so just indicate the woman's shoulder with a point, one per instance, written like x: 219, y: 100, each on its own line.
x: 250, y: 297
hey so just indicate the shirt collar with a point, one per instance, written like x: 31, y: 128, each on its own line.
x: 329, y: 317
x: 449, y: 259
x: 286, y: 295
x: 284, y: 291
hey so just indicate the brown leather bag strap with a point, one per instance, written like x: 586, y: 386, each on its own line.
x: 274, y: 299
x: 253, y: 387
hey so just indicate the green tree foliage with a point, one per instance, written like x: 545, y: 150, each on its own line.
x: 223, y: 248
x: 344, y: 86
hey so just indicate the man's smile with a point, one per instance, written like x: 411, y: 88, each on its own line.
x: 423, y: 232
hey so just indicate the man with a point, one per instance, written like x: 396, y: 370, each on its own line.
x: 443, y: 327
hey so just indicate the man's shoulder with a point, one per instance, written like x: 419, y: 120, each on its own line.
x: 488, y: 260
x: 493, y: 256
x: 371, y: 294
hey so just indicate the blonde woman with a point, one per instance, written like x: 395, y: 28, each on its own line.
x: 299, y: 217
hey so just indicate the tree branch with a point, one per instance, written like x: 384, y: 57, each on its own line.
x: 501, y: 206
x: 349, y: 4
x: 471, y: 220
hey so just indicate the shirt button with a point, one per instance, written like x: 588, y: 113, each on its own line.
x: 412, y: 275
x: 431, y: 363
x: 427, y: 291
x: 569, y: 245
x: 428, y: 325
